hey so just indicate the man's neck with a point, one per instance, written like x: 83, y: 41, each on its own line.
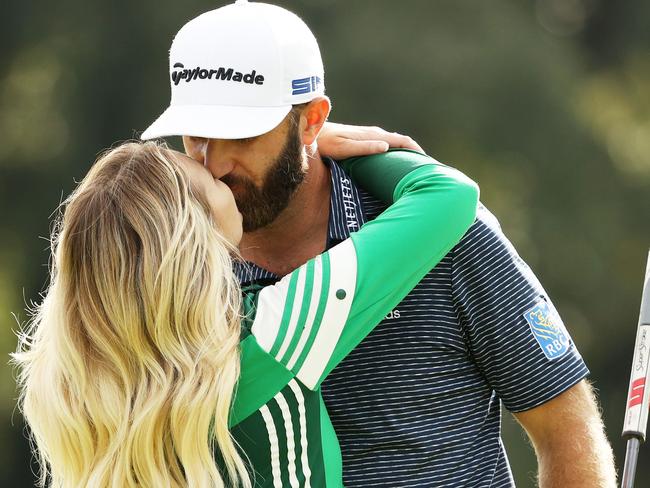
x: 300, y: 232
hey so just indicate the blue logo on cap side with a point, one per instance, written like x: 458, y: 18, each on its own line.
x: 548, y: 329
x: 305, y: 85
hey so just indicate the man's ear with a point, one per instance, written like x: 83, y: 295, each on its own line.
x: 312, y: 119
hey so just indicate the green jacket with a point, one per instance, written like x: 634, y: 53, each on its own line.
x: 299, y: 329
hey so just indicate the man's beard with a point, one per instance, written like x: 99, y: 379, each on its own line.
x: 260, y: 206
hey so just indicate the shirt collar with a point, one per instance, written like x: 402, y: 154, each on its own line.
x: 346, y: 216
x: 346, y: 210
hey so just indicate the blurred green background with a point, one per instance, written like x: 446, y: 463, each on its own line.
x: 546, y: 103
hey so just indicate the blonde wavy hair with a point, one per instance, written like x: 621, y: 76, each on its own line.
x: 128, y: 365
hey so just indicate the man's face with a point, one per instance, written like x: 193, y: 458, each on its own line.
x: 263, y: 172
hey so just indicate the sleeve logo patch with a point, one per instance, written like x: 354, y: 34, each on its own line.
x: 548, y: 329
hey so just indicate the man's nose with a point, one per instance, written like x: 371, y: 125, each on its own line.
x: 219, y: 157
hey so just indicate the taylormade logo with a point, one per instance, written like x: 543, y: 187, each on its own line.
x: 225, y: 74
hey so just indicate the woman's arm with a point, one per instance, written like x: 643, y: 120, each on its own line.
x: 316, y: 315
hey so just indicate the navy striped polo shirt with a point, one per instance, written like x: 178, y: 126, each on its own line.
x: 418, y: 402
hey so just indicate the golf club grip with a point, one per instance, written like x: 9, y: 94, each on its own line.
x: 638, y: 397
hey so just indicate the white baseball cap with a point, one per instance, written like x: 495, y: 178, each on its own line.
x: 236, y: 71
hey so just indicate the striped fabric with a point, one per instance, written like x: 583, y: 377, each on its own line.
x: 300, y: 319
x: 296, y: 435
x: 418, y: 402
x: 282, y: 426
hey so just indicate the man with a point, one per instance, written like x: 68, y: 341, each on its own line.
x: 418, y: 402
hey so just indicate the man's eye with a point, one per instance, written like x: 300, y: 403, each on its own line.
x: 196, y: 140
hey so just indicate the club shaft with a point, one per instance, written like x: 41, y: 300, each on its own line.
x: 638, y: 398
x: 631, y: 456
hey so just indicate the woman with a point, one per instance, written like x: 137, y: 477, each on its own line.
x: 143, y: 366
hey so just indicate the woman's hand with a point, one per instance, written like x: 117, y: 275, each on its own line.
x: 340, y: 141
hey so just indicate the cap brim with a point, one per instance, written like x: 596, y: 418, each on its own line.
x: 216, y: 121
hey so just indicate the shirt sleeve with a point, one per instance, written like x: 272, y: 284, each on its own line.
x: 514, y: 332
x: 311, y: 319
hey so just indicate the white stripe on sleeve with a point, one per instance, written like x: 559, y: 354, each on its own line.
x: 291, y: 445
x: 313, y: 307
x: 275, y: 449
x: 304, y: 457
x: 295, y: 312
x: 268, y: 315
x: 343, y: 277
